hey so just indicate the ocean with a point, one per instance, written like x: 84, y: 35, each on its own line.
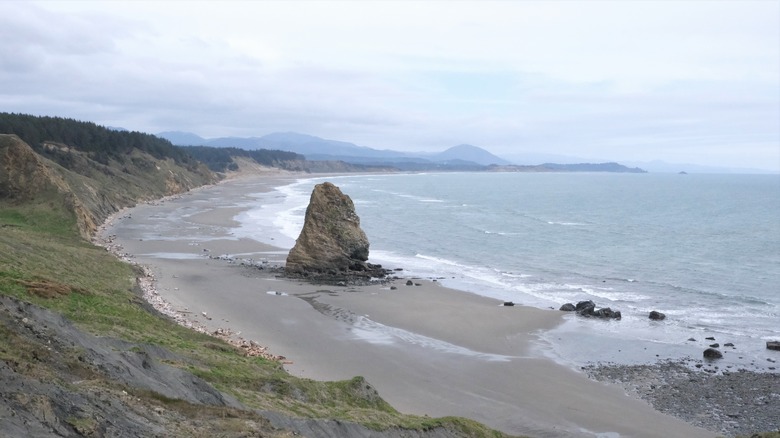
x: 702, y: 249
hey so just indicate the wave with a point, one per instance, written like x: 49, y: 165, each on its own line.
x: 502, y: 233
x: 440, y: 260
x: 409, y: 196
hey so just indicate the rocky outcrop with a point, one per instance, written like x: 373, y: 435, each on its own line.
x: 331, y: 246
x: 773, y: 345
x: 588, y: 310
x: 656, y: 316
x: 712, y: 353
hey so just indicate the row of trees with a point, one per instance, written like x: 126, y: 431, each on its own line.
x: 100, y: 142
x: 220, y: 159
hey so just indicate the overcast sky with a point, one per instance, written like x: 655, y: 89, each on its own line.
x: 695, y: 81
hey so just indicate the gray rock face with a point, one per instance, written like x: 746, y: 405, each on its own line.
x: 331, y: 244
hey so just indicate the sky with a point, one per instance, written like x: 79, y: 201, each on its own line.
x: 679, y: 81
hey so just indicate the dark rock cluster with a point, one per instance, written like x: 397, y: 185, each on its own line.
x: 588, y: 309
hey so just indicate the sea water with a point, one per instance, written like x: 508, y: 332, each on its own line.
x: 703, y: 249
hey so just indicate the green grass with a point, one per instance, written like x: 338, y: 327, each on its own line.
x: 40, y: 250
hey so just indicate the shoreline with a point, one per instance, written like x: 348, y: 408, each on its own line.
x: 410, y: 343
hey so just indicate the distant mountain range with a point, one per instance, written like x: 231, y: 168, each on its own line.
x: 460, y: 157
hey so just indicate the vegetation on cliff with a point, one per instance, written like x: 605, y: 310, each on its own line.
x: 223, y: 159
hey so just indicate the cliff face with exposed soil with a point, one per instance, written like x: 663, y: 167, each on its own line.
x: 89, y: 189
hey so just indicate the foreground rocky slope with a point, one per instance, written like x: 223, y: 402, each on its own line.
x: 58, y: 381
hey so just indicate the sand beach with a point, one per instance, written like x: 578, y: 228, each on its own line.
x: 427, y: 349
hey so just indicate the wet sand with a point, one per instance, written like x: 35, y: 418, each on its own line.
x: 426, y: 348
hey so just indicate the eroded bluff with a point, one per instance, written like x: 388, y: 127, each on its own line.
x: 331, y: 246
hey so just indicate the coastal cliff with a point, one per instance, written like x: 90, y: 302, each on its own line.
x: 69, y: 178
x: 82, y: 353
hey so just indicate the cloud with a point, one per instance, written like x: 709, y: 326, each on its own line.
x: 622, y: 80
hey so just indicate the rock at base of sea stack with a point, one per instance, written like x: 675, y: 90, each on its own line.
x: 331, y: 246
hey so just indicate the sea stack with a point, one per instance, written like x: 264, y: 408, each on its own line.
x: 331, y: 246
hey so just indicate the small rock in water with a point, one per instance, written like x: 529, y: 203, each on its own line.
x: 715, y: 345
x: 568, y: 307
x: 712, y: 353
x: 692, y: 339
x: 508, y: 303
x: 728, y: 344
x: 773, y: 345
x: 657, y: 316
x: 710, y: 338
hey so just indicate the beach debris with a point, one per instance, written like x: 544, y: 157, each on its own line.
x: 508, y: 303
x: 712, y: 353
x: 148, y: 285
x: 568, y: 307
x: 205, y: 315
x: 277, y: 293
x: 657, y: 316
x: 773, y: 345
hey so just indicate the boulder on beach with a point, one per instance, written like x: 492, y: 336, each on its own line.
x: 712, y: 353
x: 331, y: 243
x: 657, y: 316
x: 588, y: 309
x: 568, y: 307
x: 583, y: 306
